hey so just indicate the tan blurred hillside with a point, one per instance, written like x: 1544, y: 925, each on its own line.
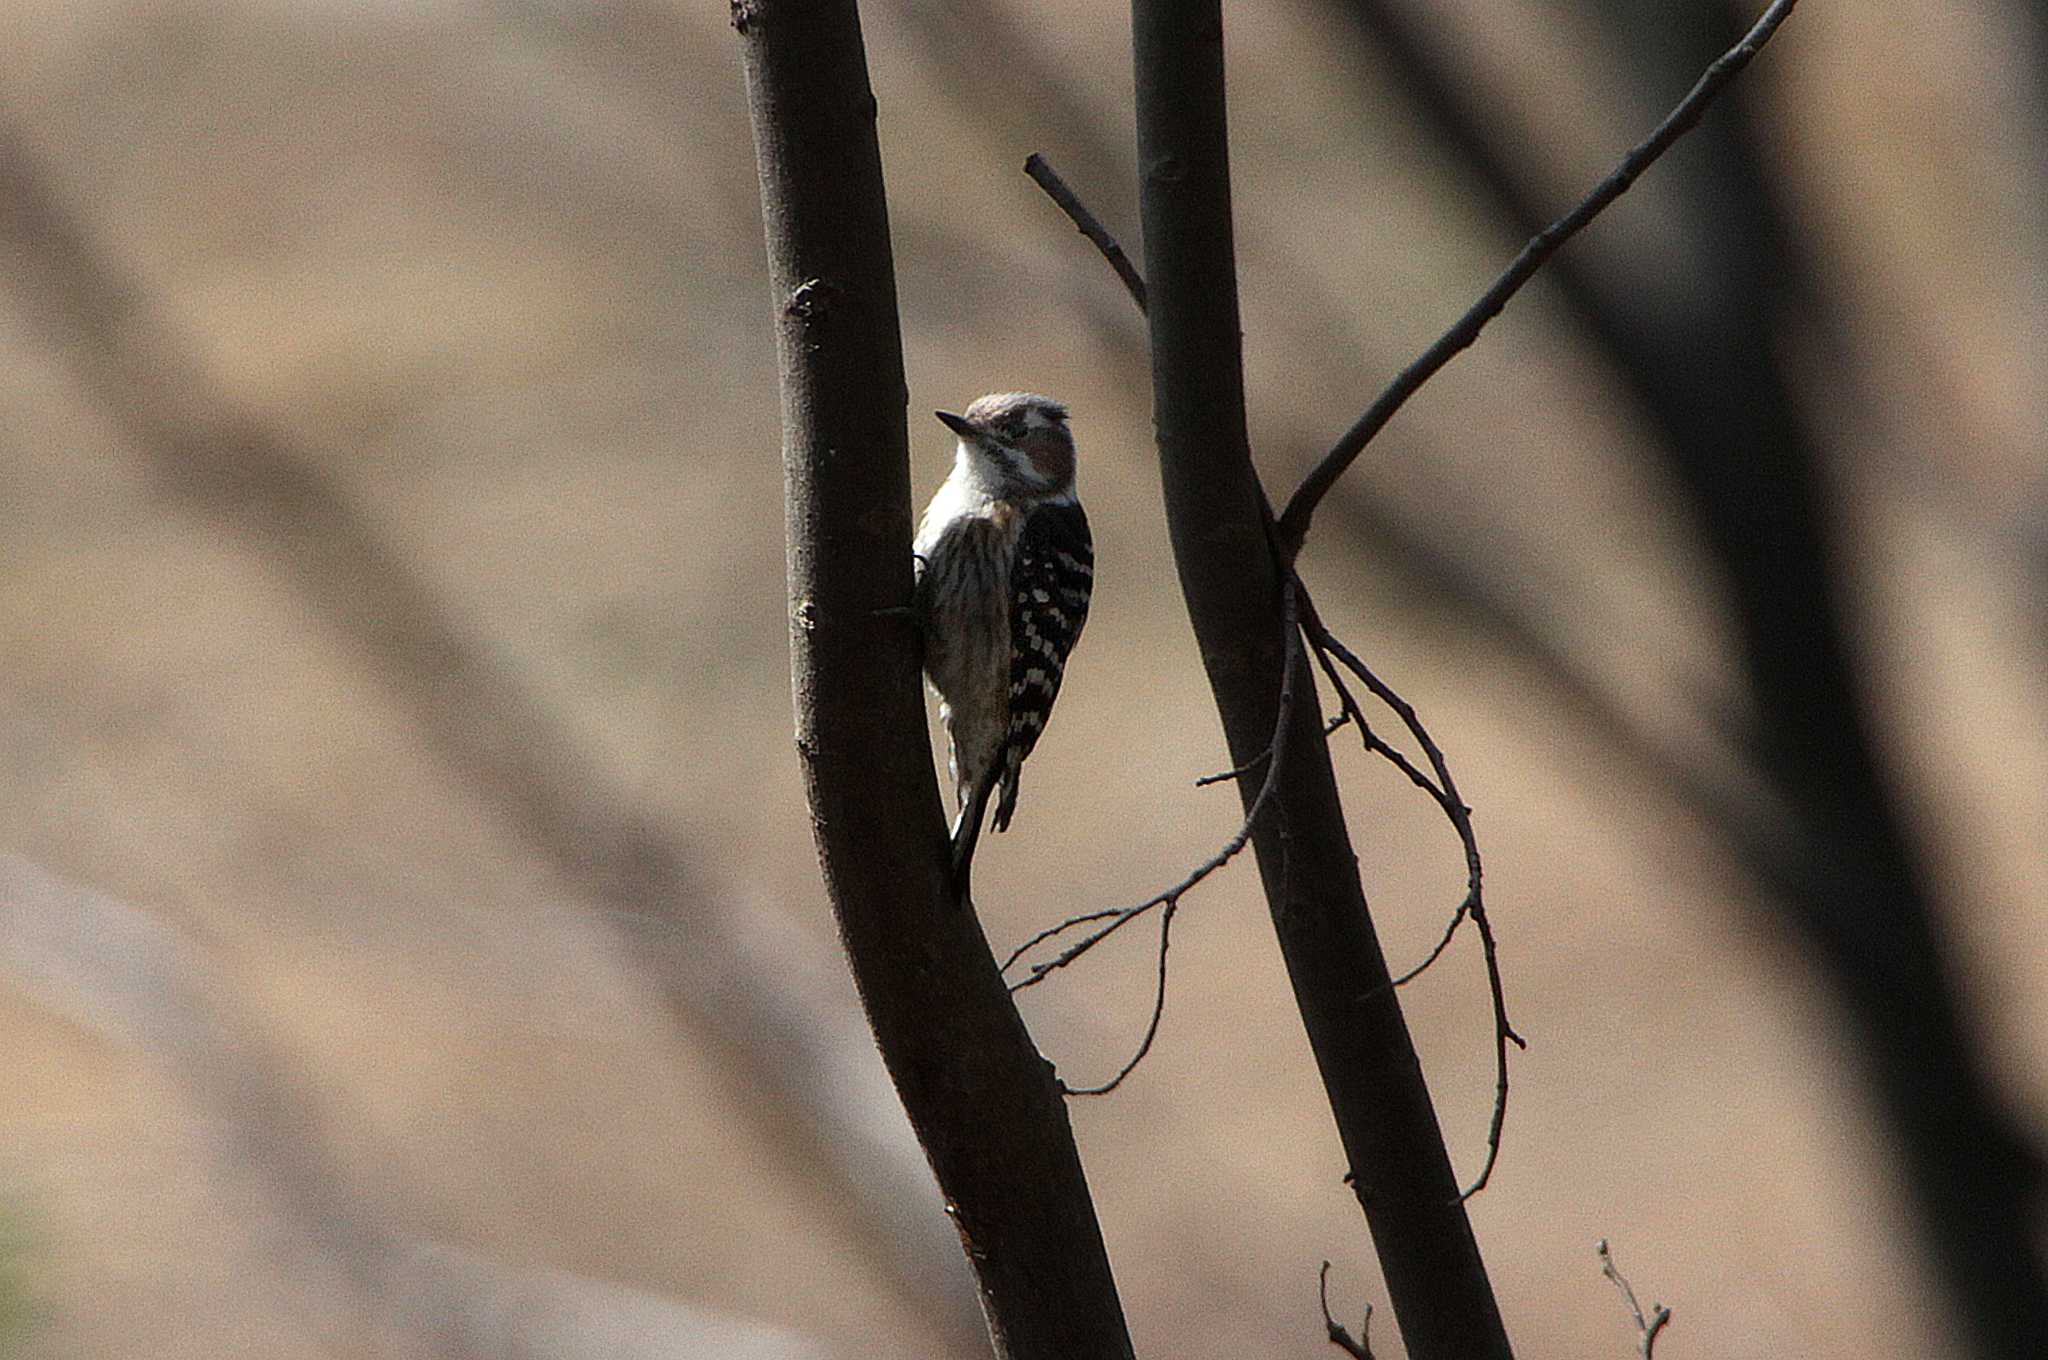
x: 410, y: 941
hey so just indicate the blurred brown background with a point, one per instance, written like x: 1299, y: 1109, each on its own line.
x: 409, y: 937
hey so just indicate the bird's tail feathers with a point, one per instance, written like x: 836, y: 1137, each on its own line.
x: 1006, y: 806
x: 967, y: 832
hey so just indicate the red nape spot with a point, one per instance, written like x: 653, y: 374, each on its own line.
x: 1052, y: 453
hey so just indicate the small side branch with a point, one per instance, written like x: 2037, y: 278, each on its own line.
x: 1360, y: 1347
x: 1301, y: 506
x: 1151, y: 1026
x: 1090, y: 226
x: 1648, y: 1328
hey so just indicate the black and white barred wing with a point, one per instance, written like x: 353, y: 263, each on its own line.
x: 1051, y: 580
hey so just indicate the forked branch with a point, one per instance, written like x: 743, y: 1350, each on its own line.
x: 1648, y: 1326
x: 1357, y: 1347
x: 1327, y: 650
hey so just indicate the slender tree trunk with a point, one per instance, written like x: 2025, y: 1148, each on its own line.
x: 1218, y: 518
x: 982, y: 1100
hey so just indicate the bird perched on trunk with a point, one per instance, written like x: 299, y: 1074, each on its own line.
x: 1005, y: 567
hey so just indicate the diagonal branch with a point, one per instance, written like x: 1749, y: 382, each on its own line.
x: 1301, y: 506
x: 1088, y: 223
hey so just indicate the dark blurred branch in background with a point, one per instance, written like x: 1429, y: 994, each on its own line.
x: 1232, y: 581
x: 1842, y: 870
x: 983, y: 1102
x: 125, y: 976
x: 779, y: 1030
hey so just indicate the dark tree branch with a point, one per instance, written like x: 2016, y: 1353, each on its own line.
x: 1301, y: 506
x: 1089, y: 226
x: 1219, y: 521
x: 982, y: 1101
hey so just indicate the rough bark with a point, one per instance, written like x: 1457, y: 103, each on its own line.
x: 983, y: 1102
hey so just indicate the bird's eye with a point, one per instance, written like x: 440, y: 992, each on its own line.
x: 1013, y: 429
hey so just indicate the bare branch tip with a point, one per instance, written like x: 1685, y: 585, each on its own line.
x: 1088, y: 224
x: 1360, y: 1347
x: 1648, y: 1327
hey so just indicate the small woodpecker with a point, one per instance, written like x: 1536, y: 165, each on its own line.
x: 1005, y: 567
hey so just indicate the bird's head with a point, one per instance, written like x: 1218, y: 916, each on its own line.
x: 1016, y: 442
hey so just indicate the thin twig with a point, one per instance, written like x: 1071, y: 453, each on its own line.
x: 1349, y: 712
x: 1090, y: 226
x: 1119, y: 917
x: 1225, y: 776
x: 1239, y: 772
x: 1445, y: 790
x: 1301, y: 506
x: 1444, y: 942
x: 1376, y: 745
x: 1648, y: 1328
x: 1359, y: 1348
x: 1151, y: 1027
x: 1051, y: 932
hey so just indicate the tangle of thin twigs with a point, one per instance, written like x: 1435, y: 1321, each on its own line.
x: 1169, y: 900
x: 1329, y: 649
x: 1301, y: 622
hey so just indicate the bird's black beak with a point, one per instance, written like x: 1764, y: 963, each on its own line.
x: 957, y: 424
